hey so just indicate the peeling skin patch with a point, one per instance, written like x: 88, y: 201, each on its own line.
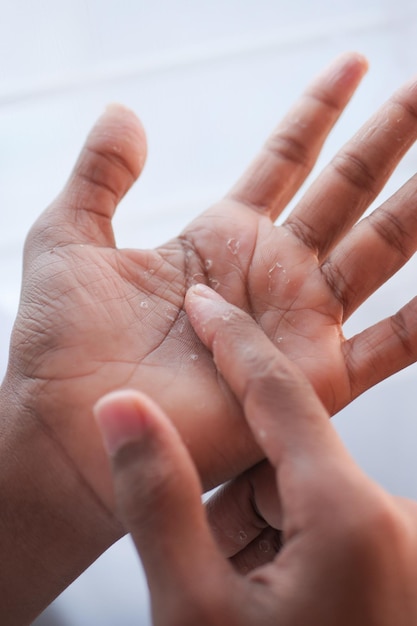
x: 233, y: 245
x: 181, y: 325
x: 197, y: 278
x: 277, y: 268
x: 149, y: 273
x: 227, y: 316
x: 171, y: 314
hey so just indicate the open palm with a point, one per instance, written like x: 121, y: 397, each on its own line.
x: 93, y: 317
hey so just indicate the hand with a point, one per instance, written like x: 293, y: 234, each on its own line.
x: 93, y: 317
x: 349, y: 549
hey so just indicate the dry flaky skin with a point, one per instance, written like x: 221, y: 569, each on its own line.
x: 93, y: 317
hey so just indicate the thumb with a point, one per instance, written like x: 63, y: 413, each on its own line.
x: 110, y: 161
x: 158, y: 498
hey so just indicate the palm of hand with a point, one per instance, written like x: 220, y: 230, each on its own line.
x: 114, y: 319
x: 269, y: 272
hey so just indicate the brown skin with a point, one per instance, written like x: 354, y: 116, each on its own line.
x: 349, y: 548
x: 94, y: 317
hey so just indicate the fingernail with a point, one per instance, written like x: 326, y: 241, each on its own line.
x: 203, y: 291
x: 120, y: 420
x: 203, y: 304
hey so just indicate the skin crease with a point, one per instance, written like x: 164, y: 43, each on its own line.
x: 93, y: 317
x: 348, y: 550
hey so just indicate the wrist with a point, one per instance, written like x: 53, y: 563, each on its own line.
x: 52, y: 525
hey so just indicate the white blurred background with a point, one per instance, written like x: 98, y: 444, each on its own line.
x: 209, y: 81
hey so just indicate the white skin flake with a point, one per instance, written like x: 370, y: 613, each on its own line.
x: 214, y: 284
x: 233, y: 245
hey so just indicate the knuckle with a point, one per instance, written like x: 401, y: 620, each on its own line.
x: 105, y: 171
x: 230, y: 335
x: 304, y: 232
x: 356, y: 171
x: 343, y: 291
x: 391, y: 230
x: 270, y: 376
x: 325, y: 99
x: 367, y: 537
x: 404, y: 100
x: 403, y: 328
x: 285, y: 146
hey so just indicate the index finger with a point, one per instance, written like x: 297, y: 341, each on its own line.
x: 287, y: 419
x: 280, y: 405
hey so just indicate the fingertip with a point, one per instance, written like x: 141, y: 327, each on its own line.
x: 357, y: 65
x: 354, y: 58
x: 119, y: 131
x: 201, y: 293
x: 121, y: 418
x: 207, y: 310
x: 341, y: 77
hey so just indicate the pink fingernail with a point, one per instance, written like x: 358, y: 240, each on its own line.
x: 119, y: 419
x: 203, y: 291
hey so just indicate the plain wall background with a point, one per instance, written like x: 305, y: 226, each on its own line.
x: 209, y: 81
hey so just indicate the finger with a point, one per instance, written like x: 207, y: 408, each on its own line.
x: 383, y: 349
x: 279, y: 403
x: 111, y: 160
x: 290, y: 153
x: 243, y: 508
x: 285, y: 415
x: 260, y: 551
x: 383, y: 242
x: 158, y: 497
x: 356, y: 174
